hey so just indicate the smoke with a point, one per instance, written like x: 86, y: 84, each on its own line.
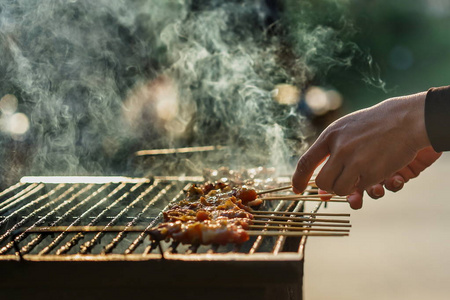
x: 321, y: 35
x: 99, y: 80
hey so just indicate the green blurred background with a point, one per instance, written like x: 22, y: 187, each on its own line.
x: 408, y: 42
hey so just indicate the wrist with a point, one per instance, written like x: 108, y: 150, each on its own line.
x: 415, y: 120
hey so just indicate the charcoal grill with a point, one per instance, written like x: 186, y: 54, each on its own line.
x: 85, y: 237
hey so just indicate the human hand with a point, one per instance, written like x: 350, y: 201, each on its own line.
x: 424, y: 158
x: 366, y: 148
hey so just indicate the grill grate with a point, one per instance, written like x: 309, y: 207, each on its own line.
x: 41, y: 218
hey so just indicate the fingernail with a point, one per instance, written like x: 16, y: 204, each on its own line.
x: 397, y: 183
x: 376, y: 193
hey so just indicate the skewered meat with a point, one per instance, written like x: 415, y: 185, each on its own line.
x: 324, y: 198
x: 186, y: 215
x: 220, y: 231
x: 212, y: 213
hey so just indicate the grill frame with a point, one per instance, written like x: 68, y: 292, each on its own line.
x: 253, y: 275
x: 169, y: 279
x: 37, y: 184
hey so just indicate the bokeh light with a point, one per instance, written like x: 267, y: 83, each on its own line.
x: 286, y: 94
x: 321, y: 101
x: 16, y: 124
x: 8, y: 104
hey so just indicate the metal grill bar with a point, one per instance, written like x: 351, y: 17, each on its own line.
x: 80, y: 214
x: 4, y: 205
x: 282, y: 239
x: 121, y: 235
x: 81, y: 179
x: 141, y: 237
x: 11, y: 188
x: 58, y: 239
x: 43, y: 219
x: 35, y: 212
x: 73, y: 208
x: 301, y: 247
x: 87, y: 246
x: 299, y: 207
x: 74, y: 240
x: 260, y: 238
x: 29, y: 191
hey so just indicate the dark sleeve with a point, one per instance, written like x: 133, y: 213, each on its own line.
x: 437, y: 117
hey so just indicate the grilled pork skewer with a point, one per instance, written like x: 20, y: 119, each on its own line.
x: 218, y: 214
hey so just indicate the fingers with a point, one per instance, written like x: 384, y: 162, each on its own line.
x: 376, y: 191
x: 396, y: 182
x: 355, y: 199
x: 307, y: 164
x: 426, y: 157
x: 344, y: 183
x: 423, y: 160
x: 328, y: 174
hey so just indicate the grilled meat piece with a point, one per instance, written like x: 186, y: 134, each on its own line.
x: 220, y: 231
x: 211, y: 213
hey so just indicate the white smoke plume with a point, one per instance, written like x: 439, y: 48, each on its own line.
x: 99, y: 80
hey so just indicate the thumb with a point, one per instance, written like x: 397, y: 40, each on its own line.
x: 306, y: 165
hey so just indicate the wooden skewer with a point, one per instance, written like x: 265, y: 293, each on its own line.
x: 312, y: 183
x: 298, y: 233
x: 281, y: 197
x: 297, y: 228
x: 301, y: 219
x: 179, y: 150
x: 314, y: 189
x: 295, y: 213
x: 285, y: 188
x: 307, y: 199
x: 275, y: 190
x: 314, y: 224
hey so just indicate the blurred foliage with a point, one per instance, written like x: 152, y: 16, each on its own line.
x: 408, y: 40
x: 402, y: 43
